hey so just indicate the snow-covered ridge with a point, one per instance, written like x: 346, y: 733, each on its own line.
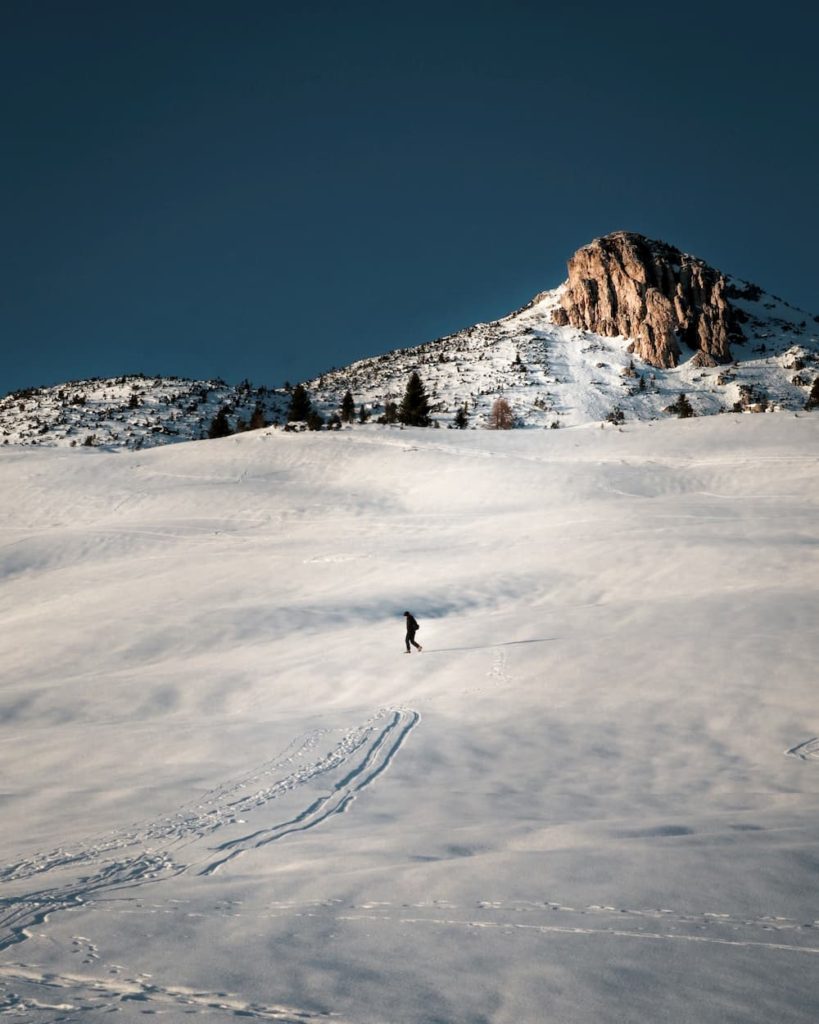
x: 561, y: 376
x: 552, y: 376
x: 132, y: 411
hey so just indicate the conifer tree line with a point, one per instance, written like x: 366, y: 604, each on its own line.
x: 414, y: 411
x: 220, y: 425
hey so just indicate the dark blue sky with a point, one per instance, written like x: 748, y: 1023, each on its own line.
x: 266, y: 190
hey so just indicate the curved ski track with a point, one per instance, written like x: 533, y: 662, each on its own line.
x: 807, y: 751
x: 377, y: 754
x: 360, y: 757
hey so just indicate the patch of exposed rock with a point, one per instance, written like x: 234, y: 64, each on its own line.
x: 661, y: 298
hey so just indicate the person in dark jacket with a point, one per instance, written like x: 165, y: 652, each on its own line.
x: 412, y: 629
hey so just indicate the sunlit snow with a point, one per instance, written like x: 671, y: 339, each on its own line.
x: 227, y: 792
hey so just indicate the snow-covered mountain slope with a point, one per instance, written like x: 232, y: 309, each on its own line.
x: 550, y: 375
x: 132, y: 411
x: 562, y: 376
x: 227, y: 793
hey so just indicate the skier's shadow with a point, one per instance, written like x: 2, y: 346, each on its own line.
x: 486, y: 647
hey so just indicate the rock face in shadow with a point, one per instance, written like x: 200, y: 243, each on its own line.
x: 661, y: 298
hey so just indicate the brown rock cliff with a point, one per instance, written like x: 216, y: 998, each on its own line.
x: 661, y: 298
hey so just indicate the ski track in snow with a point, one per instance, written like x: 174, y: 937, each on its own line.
x: 614, y: 932
x: 28, y: 990
x: 766, y: 932
x: 550, y: 915
x: 359, y: 758
x: 807, y: 751
x: 378, y: 753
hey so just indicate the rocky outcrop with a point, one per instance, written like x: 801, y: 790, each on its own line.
x: 661, y: 298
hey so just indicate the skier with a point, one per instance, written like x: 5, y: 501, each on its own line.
x: 412, y: 629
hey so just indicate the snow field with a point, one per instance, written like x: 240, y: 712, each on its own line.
x: 227, y: 792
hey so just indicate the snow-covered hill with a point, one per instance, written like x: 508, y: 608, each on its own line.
x: 132, y: 411
x: 561, y: 376
x: 550, y: 375
x: 227, y: 793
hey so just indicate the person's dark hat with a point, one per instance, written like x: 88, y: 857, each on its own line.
x: 406, y: 613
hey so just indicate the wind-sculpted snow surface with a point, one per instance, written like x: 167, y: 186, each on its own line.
x: 226, y: 792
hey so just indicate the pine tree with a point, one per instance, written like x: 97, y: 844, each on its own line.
x: 219, y: 426
x: 314, y: 420
x: 414, y: 411
x: 347, y: 408
x: 813, y: 397
x: 300, y: 405
x: 390, y: 413
x: 363, y: 413
x: 461, y: 418
x: 682, y: 408
x: 257, y: 420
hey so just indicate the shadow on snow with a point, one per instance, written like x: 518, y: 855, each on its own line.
x: 485, y: 647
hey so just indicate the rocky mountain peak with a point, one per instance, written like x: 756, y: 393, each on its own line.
x: 661, y: 298
x: 638, y: 324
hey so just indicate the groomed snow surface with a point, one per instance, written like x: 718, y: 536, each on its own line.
x: 227, y: 793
